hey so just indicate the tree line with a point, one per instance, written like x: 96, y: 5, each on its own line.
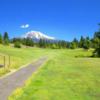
x: 4, y: 39
x: 84, y: 42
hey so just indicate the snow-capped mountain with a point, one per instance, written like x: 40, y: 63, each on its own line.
x: 37, y: 35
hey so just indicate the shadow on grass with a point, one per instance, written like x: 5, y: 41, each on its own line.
x: 83, y: 56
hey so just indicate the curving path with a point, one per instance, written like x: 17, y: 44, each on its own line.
x: 17, y: 79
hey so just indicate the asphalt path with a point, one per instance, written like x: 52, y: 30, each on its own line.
x: 17, y: 79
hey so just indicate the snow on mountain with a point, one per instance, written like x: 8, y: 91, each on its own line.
x: 37, y: 35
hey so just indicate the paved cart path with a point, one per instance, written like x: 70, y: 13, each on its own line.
x: 17, y: 79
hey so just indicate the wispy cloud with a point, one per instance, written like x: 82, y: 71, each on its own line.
x: 25, y: 26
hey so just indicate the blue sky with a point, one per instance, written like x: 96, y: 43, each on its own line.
x: 62, y: 19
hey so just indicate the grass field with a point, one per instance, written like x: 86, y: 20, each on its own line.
x: 19, y: 57
x: 68, y: 75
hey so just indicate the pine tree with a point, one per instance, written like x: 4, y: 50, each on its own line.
x: 87, y: 43
x: 6, y: 38
x: 29, y: 42
x: 42, y: 43
x: 1, y: 40
x: 75, y: 41
x: 73, y: 45
x: 81, y: 42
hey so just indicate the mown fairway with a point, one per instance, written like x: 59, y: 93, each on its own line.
x: 19, y: 57
x: 66, y: 76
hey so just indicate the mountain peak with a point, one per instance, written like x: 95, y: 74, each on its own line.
x: 37, y: 35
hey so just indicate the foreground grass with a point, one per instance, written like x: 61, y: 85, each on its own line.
x: 19, y: 57
x: 64, y: 77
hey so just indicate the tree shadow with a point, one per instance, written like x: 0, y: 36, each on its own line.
x: 83, y: 56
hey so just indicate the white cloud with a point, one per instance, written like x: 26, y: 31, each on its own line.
x: 25, y: 26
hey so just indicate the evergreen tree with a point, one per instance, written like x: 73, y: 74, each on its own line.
x: 97, y: 34
x: 96, y: 53
x: 54, y: 46
x: 73, y: 45
x: 42, y: 43
x: 87, y: 43
x: 75, y: 42
x: 96, y: 42
x: 64, y: 44
x: 81, y: 42
x: 1, y: 39
x: 6, y: 39
x: 29, y: 42
x: 96, y: 39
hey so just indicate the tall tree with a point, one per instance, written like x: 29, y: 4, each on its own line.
x: 73, y: 45
x: 81, y: 42
x: 87, y: 43
x: 29, y: 42
x: 96, y: 42
x: 42, y: 43
x: 75, y: 42
x: 1, y: 39
x: 6, y: 38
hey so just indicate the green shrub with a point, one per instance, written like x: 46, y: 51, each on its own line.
x: 96, y: 53
x: 17, y: 45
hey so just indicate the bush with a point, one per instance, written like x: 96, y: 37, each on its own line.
x: 54, y: 46
x: 86, y: 47
x: 17, y: 45
x: 96, y: 53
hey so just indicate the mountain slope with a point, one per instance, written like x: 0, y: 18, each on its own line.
x: 37, y: 35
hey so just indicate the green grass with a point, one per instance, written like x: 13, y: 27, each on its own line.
x: 19, y: 57
x: 68, y: 75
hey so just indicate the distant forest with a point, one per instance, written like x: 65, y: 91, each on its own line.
x: 84, y: 42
